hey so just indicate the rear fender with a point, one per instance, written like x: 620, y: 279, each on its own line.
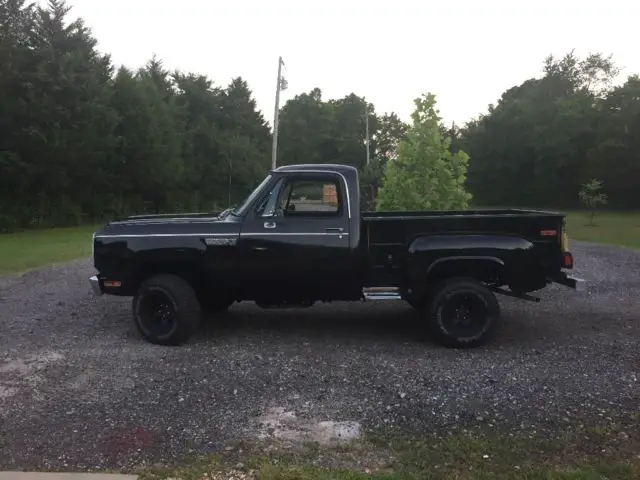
x: 491, y: 258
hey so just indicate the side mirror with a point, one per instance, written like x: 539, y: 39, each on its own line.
x: 277, y: 213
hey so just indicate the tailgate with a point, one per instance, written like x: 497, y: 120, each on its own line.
x: 557, y: 247
x: 551, y: 236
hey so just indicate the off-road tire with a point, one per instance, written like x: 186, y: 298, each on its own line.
x: 181, y: 299
x: 467, y: 293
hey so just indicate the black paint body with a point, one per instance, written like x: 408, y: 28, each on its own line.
x: 247, y: 256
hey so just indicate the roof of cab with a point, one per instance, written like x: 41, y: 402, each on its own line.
x: 317, y: 166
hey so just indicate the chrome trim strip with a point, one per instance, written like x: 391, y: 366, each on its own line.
x: 332, y: 172
x: 158, y: 221
x: 143, y: 235
x: 382, y: 296
x: 250, y: 234
x: 301, y: 234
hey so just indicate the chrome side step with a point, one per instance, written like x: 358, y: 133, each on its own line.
x: 381, y: 293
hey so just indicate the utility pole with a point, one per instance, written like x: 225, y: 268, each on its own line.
x: 366, y: 123
x: 276, y: 114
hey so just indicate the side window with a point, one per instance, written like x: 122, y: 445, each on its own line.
x: 311, y: 197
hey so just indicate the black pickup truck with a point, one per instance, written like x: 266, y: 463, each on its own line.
x: 300, y: 237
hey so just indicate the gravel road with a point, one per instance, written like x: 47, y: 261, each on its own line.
x: 80, y: 390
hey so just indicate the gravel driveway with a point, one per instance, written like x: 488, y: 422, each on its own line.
x: 80, y: 390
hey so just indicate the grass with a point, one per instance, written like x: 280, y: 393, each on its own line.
x: 23, y: 251
x: 615, y: 228
x: 584, y: 456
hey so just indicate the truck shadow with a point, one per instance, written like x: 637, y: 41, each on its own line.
x: 399, y: 322
x: 388, y: 322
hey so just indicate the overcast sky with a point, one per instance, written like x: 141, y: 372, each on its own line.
x: 390, y: 51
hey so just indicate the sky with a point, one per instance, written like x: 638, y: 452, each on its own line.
x: 466, y: 52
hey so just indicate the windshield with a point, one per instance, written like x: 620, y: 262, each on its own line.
x: 242, y: 209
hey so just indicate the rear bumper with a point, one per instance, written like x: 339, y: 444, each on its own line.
x: 570, y: 281
x: 95, y: 285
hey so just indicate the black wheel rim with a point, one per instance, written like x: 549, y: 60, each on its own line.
x: 157, y: 313
x: 464, y: 315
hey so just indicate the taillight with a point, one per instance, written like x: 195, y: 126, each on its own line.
x: 567, y: 260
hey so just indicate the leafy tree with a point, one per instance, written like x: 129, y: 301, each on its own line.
x: 305, y: 130
x: 68, y: 129
x: 531, y: 149
x: 591, y: 196
x: 317, y: 131
x: 615, y: 155
x: 384, y: 144
x: 17, y: 65
x: 426, y: 175
x: 81, y: 142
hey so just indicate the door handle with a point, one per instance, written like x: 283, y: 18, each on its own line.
x: 269, y: 224
x: 337, y: 231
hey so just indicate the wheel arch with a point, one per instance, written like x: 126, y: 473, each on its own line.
x: 190, y: 272
x: 486, y: 268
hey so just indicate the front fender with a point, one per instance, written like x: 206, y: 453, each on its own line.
x: 129, y: 260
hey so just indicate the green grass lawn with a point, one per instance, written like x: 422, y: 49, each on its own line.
x: 26, y: 250
x: 615, y: 228
x: 593, y: 454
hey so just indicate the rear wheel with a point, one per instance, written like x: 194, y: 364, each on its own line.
x: 166, y: 310
x: 462, y: 313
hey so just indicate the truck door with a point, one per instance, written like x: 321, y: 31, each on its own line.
x: 295, y: 244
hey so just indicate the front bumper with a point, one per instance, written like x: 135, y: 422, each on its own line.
x: 95, y: 285
x: 576, y: 283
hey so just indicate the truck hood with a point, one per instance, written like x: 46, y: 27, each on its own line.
x: 167, y: 217
x: 173, y: 224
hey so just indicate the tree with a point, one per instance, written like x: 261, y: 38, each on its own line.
x: 81, y: 142
x: 591, y: 196
x: 317, y: 131
x: 305, y: 130
x: 615, y: 155
x: 532, y: 148
x: 384, y: 145
x: 426, y: 175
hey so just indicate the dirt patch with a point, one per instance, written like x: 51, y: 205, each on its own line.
x: 21, y: 372
x: 285, y: 425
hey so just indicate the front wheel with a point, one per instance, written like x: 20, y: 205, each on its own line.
x: 166, y: 310
x: 462, y: 313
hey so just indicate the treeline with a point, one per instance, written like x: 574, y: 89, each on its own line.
x: 549, y: 135
x: 81, y: 141
x: 535, y: 148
